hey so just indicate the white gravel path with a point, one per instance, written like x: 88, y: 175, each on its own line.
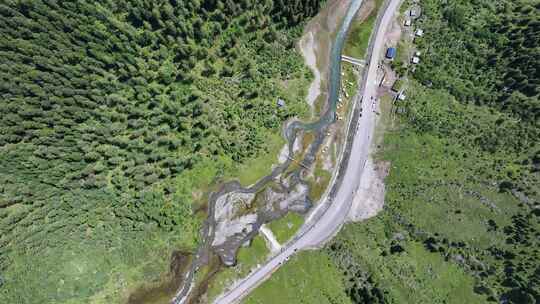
x: 271, y: 240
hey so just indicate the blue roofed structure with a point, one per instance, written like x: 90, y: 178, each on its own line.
x: 391, y: 53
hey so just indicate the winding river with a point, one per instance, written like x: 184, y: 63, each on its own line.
x: 290, y: 132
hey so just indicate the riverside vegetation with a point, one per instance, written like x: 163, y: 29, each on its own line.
x: 460, y: 222
x: 116, y: 117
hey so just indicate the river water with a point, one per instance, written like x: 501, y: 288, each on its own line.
x: 291, y: 131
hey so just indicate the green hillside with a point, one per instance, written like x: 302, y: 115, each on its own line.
x: 116, y: 117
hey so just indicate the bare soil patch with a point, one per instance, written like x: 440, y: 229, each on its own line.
x: 393, y: 35
x: 369, y: 199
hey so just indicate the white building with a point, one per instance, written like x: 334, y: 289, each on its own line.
x: 419, y: 32
x: 415, y: 60
x: 408, y: 22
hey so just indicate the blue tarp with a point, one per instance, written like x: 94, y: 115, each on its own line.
x: 391, y: 53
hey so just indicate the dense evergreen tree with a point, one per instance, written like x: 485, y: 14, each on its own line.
x: 105, y: 104
x: 487, y: 53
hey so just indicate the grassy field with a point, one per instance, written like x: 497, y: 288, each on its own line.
x: 309, y: 277
x: 319, y: 183
x: 358, y: 39
x: 349, y: 79
x: 286, y: 227
x: 412, y: 276
x: 251, y: 171
x: 76, y: 271
x: 247, y: 258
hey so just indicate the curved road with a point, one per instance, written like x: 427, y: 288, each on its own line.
x: 334, y: 217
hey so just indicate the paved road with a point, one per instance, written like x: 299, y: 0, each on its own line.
x: 332, y: 220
